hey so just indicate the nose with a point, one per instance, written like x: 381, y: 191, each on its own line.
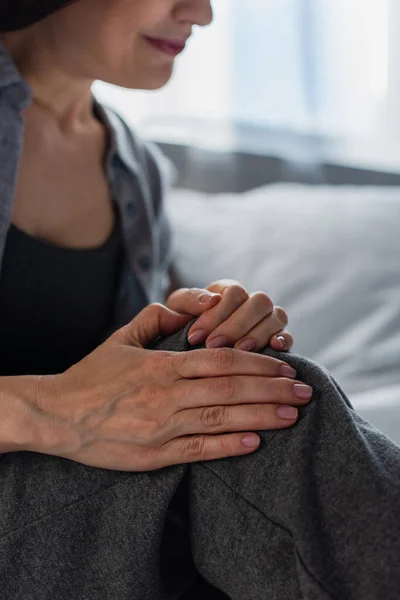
x: 195, y: 12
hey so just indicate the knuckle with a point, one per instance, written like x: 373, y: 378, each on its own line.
x: 225, y: 387
x: 180, y: 361
x: 227, y: 447
x: 190, y: 294
x: 163, y: 363
x: 282, y: 315
x: 143, y: 430
x: 283, y: 390
x: 259, y: 413
x: 196, y: 292
x: 275, y: 388
x: 223, y: 357
x: 160, y: 366
x: 155, y: 307
x: 263, y: 301
x: 237, y: 293
x: 213, y: 416
x: 147, y: 433
x: 170, y: 300
x: 194, y: 446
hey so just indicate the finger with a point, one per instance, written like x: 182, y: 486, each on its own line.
x: 153, y: 321
x: 193, y: 301
x: 239, y: 389
x: 232, y: 298
x: 254, y: 311
x: 220, y: 286
x: 261, y: 335
x: 227, y: 361
x: 207, y: 447
x: 282, y: 341
x: 223, y: 419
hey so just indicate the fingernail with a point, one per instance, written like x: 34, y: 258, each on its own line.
x: 251, y: 441
x: 287, y: 371
x: 206, y: 297
x: 281, y: 340
x: 247, y: 346
x: 302, y: 391
x: 218, y: 342
x: 197, y: 337
x: 287, y: 412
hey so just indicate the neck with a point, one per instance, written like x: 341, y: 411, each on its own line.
x: 69, y: 98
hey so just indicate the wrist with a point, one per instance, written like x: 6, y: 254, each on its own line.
x: 19, y: 420
x: 27, y: 419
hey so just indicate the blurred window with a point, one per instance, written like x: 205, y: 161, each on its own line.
x: 319, y: 66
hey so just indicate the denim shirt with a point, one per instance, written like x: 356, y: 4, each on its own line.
x: 138, y: 175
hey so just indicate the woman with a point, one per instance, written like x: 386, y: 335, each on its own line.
x: 87, y: 242
x: 83, y: 249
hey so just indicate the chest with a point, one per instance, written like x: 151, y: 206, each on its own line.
x: 62, y: 194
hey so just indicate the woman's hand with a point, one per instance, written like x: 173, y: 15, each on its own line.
x: 127, y: 408
x: 229, y: 316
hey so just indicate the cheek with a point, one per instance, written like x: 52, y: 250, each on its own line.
x: 129, y: 17
x: 137, y: 66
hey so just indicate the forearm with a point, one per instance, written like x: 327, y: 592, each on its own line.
x: 20, y: 424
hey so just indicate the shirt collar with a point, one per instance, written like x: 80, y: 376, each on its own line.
x: 9, y: 73
x: 121, y: 139
x: 10, y: 77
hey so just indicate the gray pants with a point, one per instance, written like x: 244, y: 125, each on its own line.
x: 313, y: 514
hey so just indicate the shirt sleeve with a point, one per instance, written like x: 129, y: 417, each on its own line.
x: 155, y: 174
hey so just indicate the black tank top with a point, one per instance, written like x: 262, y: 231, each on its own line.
x: 55, y: 303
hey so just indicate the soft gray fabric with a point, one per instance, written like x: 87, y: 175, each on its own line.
x: 313, y: 514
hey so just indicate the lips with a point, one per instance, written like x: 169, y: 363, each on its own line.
x: 172, y: 48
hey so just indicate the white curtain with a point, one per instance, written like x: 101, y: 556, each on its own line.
x: 311, y: 65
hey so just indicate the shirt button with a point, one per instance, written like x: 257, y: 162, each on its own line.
x: 130, y: 209
x: 145, y: 262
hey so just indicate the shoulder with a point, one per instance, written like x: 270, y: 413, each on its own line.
x: 142, y: 158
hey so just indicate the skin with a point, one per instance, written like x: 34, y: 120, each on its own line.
x: 124, y: 407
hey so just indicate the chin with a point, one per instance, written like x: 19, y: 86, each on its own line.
x: 153, y: 85
x: 149, y: 81
x: 156, y: 81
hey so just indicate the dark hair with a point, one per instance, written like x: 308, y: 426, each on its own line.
x: 17, y: 14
